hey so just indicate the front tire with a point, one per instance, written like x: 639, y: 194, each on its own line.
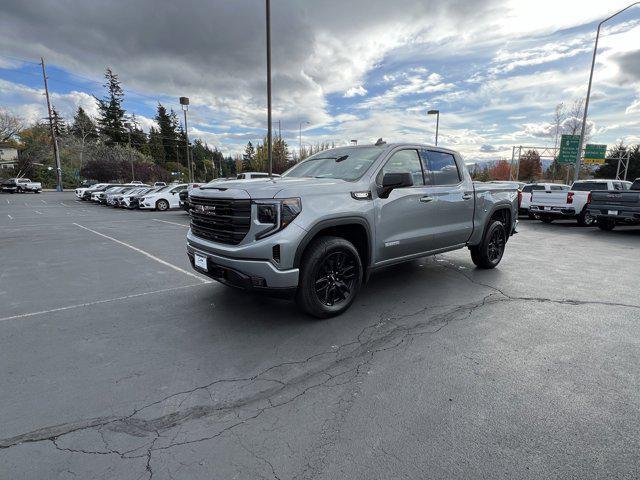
x: 488, y: 254
x: 330, y: 277
x: 162, y: 205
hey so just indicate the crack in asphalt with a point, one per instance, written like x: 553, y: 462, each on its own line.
x: 385, y: 334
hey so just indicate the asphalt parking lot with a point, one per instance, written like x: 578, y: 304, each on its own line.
x: 118, y: 361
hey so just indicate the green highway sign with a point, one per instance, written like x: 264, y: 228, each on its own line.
x: 569, y: 146
x: 595, y: 154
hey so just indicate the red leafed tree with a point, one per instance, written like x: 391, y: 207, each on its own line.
x: 501, y: 170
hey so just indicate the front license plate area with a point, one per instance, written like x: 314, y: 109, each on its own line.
x: 613, y: 212
x: 200, y: 261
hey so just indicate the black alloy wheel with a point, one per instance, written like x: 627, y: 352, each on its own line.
x: 336, y: 278
x: 495, y: 247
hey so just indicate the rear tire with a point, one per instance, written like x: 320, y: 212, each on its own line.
x: 606, y: 224
x: 546, y: 218
x: 585, y: 219
x: 330, y: 277
x: 162, y: 205
x: 488, y: 254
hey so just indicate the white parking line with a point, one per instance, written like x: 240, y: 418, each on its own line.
x: 159, y: 260
x: 10, y: 217
x: 171, y: 223
x: 43, y: 202
x: 97, y: 302
x: 39, y: 213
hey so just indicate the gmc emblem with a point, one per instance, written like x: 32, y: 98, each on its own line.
x: 205, y: 209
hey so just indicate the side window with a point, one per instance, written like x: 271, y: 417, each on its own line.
x: 617, y: 186
x: 240, y: 176
x: 178, y: 189
x: 404, y: 161
x: 555, y: 188
x: 537, y: 187
x: 527, y: 189
x: 442, y: 168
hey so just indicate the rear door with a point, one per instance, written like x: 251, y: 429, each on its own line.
x: 452, y: 198
x: 404, y: 219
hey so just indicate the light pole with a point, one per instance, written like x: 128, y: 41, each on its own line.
x: 127, y: 125
x: 300, y: 138
x: 437, y: 114
x: 269, y: 148
x: 184, y: 102
x: 576, y: 174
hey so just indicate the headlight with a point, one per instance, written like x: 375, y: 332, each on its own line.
x: 276, y: 214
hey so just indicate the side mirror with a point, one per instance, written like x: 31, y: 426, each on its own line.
x: 391, y: 181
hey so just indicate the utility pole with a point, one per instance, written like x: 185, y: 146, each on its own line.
x: 128, y: 126
x: 269, y: 148
x: 54, y: 139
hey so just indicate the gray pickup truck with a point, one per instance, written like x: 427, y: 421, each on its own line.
x: 615, y: 207
x: 320, y: 230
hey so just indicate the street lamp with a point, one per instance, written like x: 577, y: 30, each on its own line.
x: 184, y: 102
x: 300, y: 138
x: 128, y: 126
x: 437, y: 114
x: 268, y: 28
x: 576, y: 174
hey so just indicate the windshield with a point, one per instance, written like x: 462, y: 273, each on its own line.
x: 347, y: 163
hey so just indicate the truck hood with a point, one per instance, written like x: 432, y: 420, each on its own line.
x: 275, y: 188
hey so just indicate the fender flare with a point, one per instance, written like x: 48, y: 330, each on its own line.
x: 494, y: 209
x: 333, y: 222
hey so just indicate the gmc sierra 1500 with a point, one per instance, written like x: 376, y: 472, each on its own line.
x: 321, y: 229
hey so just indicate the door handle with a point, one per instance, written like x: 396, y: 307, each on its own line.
x: 426, y: 199
x: 467, y: 196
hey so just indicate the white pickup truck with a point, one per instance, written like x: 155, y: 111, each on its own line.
x: 20, y: 185
x: 550, y: 205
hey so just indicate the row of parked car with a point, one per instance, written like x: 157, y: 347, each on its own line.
x: 135, y: 195
x: 159, y: 196
x: 605, y: 203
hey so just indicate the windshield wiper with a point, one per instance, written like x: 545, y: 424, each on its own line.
x: 342, y: 158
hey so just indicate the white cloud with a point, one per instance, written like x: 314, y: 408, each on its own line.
x: 359, y: 91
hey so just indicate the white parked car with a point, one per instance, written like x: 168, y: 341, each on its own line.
x: 164, y: 199
x: 527, y: 193
x: 571, y: 203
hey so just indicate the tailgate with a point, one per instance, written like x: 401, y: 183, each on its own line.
x: 615, y: 197
x: 544, y: 198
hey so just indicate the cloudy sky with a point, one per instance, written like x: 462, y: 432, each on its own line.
x: 355, y: 69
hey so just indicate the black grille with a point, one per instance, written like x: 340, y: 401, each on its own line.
x: 220, y: 220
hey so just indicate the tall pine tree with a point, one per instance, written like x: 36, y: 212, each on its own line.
x: 59, y: 125
x: 83, y: 126
x: 112, y: 114
x: 167, y: 131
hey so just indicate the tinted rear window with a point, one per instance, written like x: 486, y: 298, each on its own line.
x: 589, y: 186
x: 635, y: 185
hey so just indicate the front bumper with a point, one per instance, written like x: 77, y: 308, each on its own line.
x: 553, y: 211
x: 249, y: 274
